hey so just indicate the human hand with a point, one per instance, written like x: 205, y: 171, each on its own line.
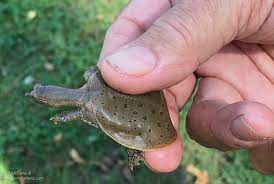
x: 158, y: 44
x: 233, y: 107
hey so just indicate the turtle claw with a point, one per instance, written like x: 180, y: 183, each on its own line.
x: 59, y: 118
x: 55, y: 119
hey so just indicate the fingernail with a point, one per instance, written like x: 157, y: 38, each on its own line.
x: 241, y: 129
x: 134, y: 60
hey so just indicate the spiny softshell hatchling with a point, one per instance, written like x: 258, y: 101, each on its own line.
x: 138, y: 122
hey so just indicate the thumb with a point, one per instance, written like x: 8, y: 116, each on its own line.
x: 178, y: 42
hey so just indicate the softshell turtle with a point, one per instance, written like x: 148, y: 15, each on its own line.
x: 138, y: 122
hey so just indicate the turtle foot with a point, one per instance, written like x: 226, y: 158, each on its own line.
x: 134, y: 158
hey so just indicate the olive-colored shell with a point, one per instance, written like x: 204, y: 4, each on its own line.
x: 139, y: 122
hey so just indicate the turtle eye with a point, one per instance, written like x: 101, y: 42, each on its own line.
x: 42, y: 100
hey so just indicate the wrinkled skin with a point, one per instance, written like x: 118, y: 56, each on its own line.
x: 157, y: 45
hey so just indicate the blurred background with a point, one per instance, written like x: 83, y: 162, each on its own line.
x: 54, y: 42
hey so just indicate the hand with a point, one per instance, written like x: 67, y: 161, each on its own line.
x: 158, y: 44
x: 233, y: 108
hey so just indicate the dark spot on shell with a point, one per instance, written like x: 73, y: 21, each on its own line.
x: 123, y: 117
x: 149, y: 140
x: 159, y: 124
x: 135, y: 128
x: 161, y: 135
x: 140, y: 105
x: 135, y: 112
x: 114, y: 114
x: 114, y: 97
x: 163, y: 105
x: 102, y: 103
x: 149, y: 130
x: 125, y: 105
x: 108, y: 108
x: 145, y: 118
x: 129, y: 121
x: 115, y: 106
x: 102, y: 94
x: 153, y: 111
x: 103, y: 117
x: 140, y: 133
x: 135, y: 120
x: 161, y: 113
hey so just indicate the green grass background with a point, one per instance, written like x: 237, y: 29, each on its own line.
x: 69, y: 35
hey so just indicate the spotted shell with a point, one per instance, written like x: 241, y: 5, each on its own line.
x: 140, y: 122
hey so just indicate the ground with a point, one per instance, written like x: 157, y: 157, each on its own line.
x: 54, y: 42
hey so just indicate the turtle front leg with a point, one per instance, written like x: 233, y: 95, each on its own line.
x: 67, y: 116
x: 74, y: 115
x: 134, y: 157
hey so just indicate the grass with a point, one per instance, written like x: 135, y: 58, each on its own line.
x: 67, y: 35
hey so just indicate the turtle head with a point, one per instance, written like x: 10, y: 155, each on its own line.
x: 56, y: 96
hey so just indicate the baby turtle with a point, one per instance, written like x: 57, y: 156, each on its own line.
x: 138, y: 122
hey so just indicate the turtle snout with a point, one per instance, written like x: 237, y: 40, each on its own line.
x: 37, y: 93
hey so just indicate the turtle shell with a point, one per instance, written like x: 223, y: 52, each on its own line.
x: 140, y: 122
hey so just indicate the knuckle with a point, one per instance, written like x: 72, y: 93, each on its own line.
x: 134, y: 22
x: 174, y: 29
